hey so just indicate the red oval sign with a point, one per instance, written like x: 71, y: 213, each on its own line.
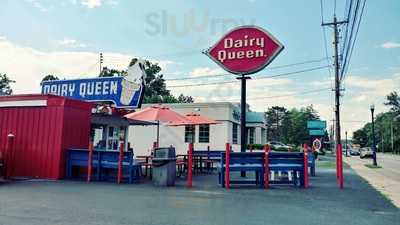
x: 245, y: 50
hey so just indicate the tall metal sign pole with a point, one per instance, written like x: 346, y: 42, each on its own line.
x: 243, y: 51
x: 243, y: 130
x: 335, y: 24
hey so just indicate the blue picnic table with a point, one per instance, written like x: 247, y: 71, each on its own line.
x: 103, y: 160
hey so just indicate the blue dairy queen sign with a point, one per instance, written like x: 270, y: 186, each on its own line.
x: 112, y: 89
x: 124, y: 92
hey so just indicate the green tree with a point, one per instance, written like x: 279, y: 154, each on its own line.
x: 5, y: 88
x: 290, y: 126
x: 49, y: 77
x: 360, y: 137
x: 393, y: 100
x: 155, y: 88
x: 275, y: 120
x: 384, y: 122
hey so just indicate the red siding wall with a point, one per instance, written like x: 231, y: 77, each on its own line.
x: 42, y: 133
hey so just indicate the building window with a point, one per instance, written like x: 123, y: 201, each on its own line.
x: 190, y: 133
x: 234, y: 133
x: 251, y: 135
x: 204, y: 133
x: 263, y: 136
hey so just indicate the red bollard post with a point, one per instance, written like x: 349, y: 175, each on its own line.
x: 120, y: 161
x: 90, y: 161
x: 227, y: 159
x: 190, y: 166
x: 266, y: 166
x: 340, y: 166
x: 8, y: 155
x: 305, y: 149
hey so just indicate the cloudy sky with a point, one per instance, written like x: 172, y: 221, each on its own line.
x: 65, y: 37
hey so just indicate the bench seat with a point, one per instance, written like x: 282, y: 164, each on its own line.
x: 102, y: 160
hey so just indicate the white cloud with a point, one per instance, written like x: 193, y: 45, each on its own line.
x: 205, y: 71
x: 27, y: 66
x: 72, y: 43
x: 360, y: 98
x: 91, y: 3
x: 376, y: 87
x: 390, y: 44
x: 38, y: 5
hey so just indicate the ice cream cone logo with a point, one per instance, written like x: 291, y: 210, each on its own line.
x: 132, y: 82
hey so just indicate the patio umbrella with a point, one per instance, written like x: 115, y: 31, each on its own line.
x: 198, y: 119
x: 160, y: 113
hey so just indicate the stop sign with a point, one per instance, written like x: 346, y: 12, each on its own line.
x: 245, y: 50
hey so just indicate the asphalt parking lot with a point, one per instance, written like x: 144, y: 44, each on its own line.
x: 74, y: 202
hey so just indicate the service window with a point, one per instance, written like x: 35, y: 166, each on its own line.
x: 251, y: 135
x: 99, y: 137
x: 204, y: 133
x: 234, y: 133
x: 190, y: 134
x: 113, y: 138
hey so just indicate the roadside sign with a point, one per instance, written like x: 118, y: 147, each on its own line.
x: 124, y: 92
x: 317, y: 144
x: 245, y: 50
x: 316, y: 132
x: 316, y: 124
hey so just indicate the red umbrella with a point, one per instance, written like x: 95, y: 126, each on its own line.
x: 198, y: 119
x: 162, y: 114
x: 159, y: 113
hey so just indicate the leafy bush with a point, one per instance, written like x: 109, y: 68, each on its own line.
x: 255, y: 146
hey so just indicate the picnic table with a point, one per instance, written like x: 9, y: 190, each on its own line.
x: 263, y: 164
x: 146, y: 162
x: 102, y: 162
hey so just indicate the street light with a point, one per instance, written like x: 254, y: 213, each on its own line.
x: 391, y: 126
x: 373, y: 136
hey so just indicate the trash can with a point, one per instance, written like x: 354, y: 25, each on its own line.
x: 164, y: 166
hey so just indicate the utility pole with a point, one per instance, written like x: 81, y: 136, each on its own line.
x: 391, y: 132
x: 101, y: 62
x: 347, y: 153
x: 335, y: 25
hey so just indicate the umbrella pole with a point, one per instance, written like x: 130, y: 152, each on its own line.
x: 158, y: 133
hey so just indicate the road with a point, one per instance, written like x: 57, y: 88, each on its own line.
x: 385, y: 179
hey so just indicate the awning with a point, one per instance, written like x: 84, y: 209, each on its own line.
x: 160, y: 113
x: 101, y: 119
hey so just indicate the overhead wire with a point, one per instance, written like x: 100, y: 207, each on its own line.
x: 345, y: 68
x: 257, y: 78
x: 229, y: 74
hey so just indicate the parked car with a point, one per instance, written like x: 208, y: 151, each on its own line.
x: 354, y: 151
x: 366, y: 152
x: 279, y: 146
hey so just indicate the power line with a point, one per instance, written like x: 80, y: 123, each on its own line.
x: 345, y: 67
x: 348, y: 41
x: 294, y: 94
x: 227, y: 74
x: 257, y: 78
x: 286, y: 95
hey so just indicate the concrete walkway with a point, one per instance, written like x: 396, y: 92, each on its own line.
x: 385, y: 179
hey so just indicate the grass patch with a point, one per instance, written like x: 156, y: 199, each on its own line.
x: 372, y: 166
x: 326, y: 164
